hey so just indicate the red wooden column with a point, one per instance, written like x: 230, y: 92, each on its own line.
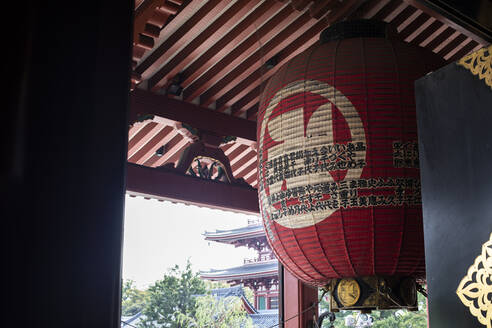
x: 297, y: 298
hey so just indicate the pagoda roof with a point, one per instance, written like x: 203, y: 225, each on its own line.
x: 247, y: 271
x: 232, y: 235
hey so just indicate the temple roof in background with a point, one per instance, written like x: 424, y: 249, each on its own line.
x: 247, y: 271
x: 233, y: 235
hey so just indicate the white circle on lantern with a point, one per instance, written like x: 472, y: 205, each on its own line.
x: 289, y: 128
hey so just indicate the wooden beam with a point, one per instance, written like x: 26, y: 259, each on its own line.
x: 145, y: 102
x: 165, y: 184
x: 451, y: 16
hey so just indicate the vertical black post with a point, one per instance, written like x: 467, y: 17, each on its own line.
x: 454, y: 109
x: 62, y: 180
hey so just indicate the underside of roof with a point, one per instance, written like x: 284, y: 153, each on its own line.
x: 218, y: 55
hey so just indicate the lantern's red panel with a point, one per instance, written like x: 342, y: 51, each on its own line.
x: 338, y: 160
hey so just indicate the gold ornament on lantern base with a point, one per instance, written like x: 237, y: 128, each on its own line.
x: 373, y: 293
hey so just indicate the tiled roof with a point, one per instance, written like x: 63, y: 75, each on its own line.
x: 264, y: 320
x: 228, y: 236
x: 253, y: 270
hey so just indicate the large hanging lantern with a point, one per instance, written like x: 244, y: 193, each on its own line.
x: 338, y: 170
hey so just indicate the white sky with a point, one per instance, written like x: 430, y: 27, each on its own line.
x: 159, y: 235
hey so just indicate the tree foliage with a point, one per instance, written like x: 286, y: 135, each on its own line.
x: 213, y: 312
x: 133, y: 300
x: 173, y: 296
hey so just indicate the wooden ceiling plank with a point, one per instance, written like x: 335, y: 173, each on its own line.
x: 245, y: 168
x: 173, y: 149
x: 426, y: 33
x: 154, y: 157
x: 433, y: 35
x: 445, y: 35
x: 227, y: 146
x: 232, y: 39
x: 180, y: 37
x: 319, y: 8
x: 134, y: 129
x: 390, y: 10
x: 409, y: 20
x: 300, y: 5
x: 201, y: 42
x: 250, y: 174
x: 416, y: 27
x: 250, y: 98
x: 153, y: 145
x: 145, y: 102
x: 459, y: 39
x: 241, y: 52
x: 145, y: 128
x: 244, y: 162
x: 467, y: 48
x: 167, y: 185
x: 427, y: 9
x: 177, y: 155
x: 232, y: 148
x: 237, y: 153
x: 253, y: 62
x: 136, y: 145
x: 236, y: 158
x: 250, y: 83
x: 253, y: 182
x: 369, y: 9
x: 446, y: 41
x: 401, y: 17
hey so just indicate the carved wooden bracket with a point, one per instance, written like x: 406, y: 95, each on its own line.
x: 204, y: 159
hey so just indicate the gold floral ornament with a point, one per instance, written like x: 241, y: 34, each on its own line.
x: 479, y: 63
x: 475, y: 289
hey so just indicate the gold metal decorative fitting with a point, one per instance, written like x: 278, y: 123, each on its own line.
x: 475, y: 288
x: 480, y: 64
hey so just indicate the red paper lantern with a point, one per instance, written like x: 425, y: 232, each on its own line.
x: 338, y: 170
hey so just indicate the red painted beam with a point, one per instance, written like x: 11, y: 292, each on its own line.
x: 145, y: 102
x: 166, y: 184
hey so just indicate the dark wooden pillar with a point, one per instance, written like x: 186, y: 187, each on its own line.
x: 65, y: 101
x: 454, y: 110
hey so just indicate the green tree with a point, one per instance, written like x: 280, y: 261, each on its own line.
x: 213, y: 312
x: 133, y: 300
x: 171, y: 297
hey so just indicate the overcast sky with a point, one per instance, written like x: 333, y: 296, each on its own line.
x: 159, y: 235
